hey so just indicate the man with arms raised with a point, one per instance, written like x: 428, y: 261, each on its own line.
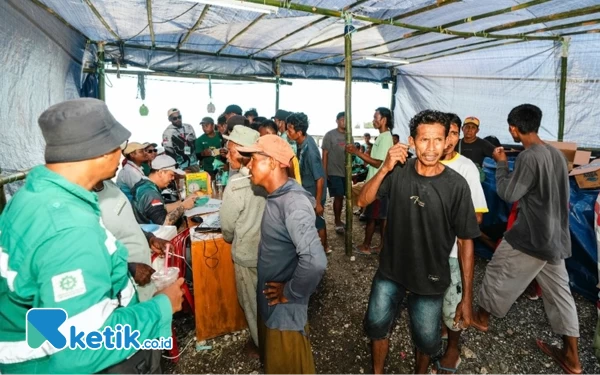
x: 376, y: 211
x: 430, y: 206
x: 538, y: 243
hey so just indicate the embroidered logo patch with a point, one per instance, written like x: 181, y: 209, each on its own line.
x: 68, y: 285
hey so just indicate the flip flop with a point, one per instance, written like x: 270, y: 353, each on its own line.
x: 340, y: 229
x: 550, y: 352
x: 329, y: 250
x: 356, y: 250
x: 450, y: 370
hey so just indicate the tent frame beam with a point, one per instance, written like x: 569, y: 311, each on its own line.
x: 531, y: 21
x: 150, y: 25
x: 222, y: 77
x: 101, y: 19
x: 395, y: 18
x: 240, y: 33
x: 348, y: 7
x: 208, y: 54
x: 194, y: 28
x: 58, y: 17
x: 334, y: 13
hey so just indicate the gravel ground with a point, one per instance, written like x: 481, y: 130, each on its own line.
x: 340, y: 346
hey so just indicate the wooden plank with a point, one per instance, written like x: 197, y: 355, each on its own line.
x: 218, y: 311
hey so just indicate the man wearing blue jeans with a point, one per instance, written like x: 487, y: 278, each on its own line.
x: 429, y: 207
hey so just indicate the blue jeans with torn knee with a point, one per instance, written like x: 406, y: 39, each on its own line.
x: 425, y: 314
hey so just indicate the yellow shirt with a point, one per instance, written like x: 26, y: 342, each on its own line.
x: 296, y: 167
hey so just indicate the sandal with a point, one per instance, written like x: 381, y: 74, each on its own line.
x: 447, y: 369
x: 551, y: 352
x: 356, y: 250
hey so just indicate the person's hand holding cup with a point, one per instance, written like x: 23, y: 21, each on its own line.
x: 175, y: 294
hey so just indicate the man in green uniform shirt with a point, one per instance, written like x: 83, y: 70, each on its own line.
x: 207, y: 144
x: 56, y: 253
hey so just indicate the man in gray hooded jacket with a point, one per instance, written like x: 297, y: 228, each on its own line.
x: 291, y: 260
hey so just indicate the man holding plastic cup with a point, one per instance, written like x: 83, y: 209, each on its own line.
x: 56, y: 253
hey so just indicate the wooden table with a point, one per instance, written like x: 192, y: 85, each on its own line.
x: 217, y: 308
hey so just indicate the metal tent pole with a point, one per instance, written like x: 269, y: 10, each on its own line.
x: 100, y: 70
x: 563, y: 87
x: 348, y: 118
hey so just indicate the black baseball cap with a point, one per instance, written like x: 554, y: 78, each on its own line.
x: 207, y: 120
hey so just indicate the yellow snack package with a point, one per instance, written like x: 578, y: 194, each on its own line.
x: 198, y: 183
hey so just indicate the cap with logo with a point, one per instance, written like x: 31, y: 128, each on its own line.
x: 166, y: 163
x: 273, y: 146
x: 471, y: 120
x: 134, y: 146
x: 172, y: 111
x: 243, y: 135
x: 80, y: 129
x: 207, y: 120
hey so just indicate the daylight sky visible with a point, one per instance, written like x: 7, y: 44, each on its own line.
x: 321, y: 101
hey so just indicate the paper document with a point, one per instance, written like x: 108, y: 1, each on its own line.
x: 213, y: 205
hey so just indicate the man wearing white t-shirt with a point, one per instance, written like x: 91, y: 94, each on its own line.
x: 465, y: 167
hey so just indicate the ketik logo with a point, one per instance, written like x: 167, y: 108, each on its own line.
x: 43, y: 325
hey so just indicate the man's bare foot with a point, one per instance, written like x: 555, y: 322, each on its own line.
x: 364, y: 249
x: 376, y: 249
x: 570, y: 364
x: 251, y: 349
x: 481, y: 320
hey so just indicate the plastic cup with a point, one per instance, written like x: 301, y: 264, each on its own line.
x: 163, y: 279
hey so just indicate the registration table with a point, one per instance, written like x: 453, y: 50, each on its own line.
x: 217, y: 308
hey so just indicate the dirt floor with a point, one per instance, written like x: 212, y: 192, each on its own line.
x: 339, y: 345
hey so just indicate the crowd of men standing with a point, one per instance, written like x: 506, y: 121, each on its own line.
x: 70, y: 222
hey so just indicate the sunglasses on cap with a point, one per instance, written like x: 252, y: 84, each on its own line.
x: 151, y: 151
x: 175, y: 118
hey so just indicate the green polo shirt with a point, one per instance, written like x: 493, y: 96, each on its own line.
x: 203, y: 143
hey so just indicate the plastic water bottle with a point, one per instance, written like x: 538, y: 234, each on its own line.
x: 219, y: 181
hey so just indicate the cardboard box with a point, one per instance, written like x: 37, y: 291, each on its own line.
x: 587, y: 176
x: 574, y: 156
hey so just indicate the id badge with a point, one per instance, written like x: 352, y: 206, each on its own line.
x: 187, y: 150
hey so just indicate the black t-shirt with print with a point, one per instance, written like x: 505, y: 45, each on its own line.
x: 476, y: 151
x: 425, y: 216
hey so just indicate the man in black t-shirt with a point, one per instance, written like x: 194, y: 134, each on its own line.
x: 471, y: 146
x: 429, y: 207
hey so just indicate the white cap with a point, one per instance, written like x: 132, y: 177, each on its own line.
x: 166, y: 163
